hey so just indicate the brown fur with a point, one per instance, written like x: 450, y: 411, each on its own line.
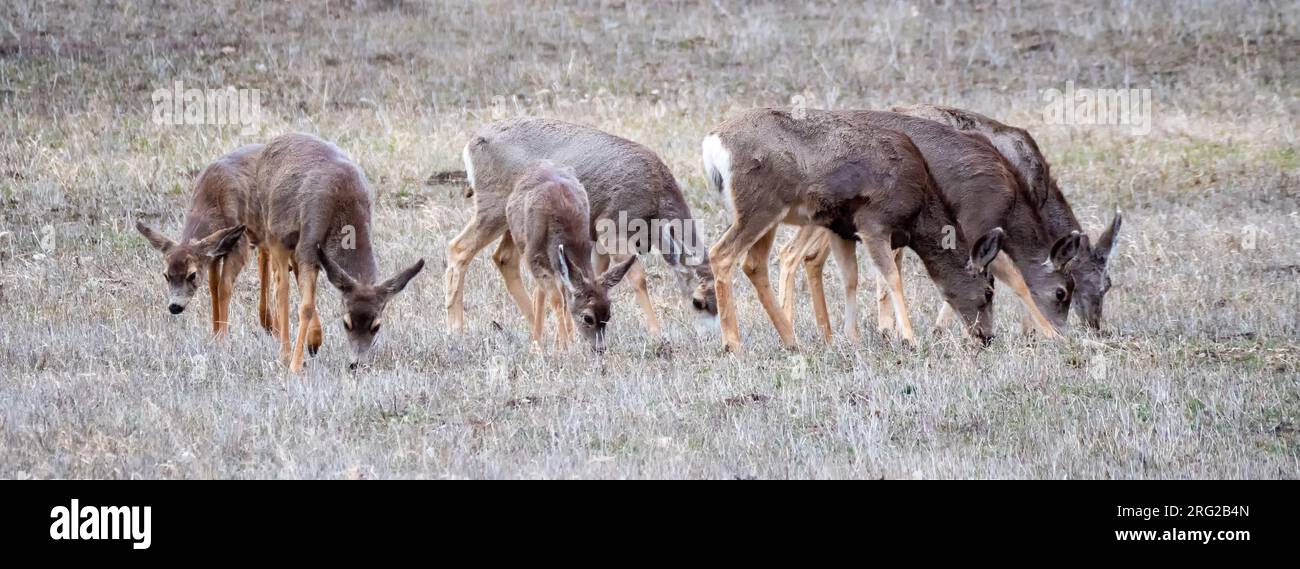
x: 548, y: 217
x: 825, y: 170
x: 620, y: 177
x: 214, y: 239
x: 1089, y: 271
x: 311, y: 198
x: 985, y: 192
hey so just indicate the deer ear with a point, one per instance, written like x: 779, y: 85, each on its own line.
x: 1109, y: 238
x: 616, y: 273
x: 397, y: 283
x: 221, y: 241
x: 1067, y: 248
x: 336, y: 275
x: 565, y: 275
x: 155, y: 239
x: 986, y: 249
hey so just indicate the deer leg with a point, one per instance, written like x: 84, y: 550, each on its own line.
x: 946, y: 314
x: 538, y: 319
x: 1005, y: 270
x: 306, y: 313
x: 883, y: 257
x: 231, y: 265
x: 280, y: 268
x: 264, y: 278
x: 214, y: 290
x: 563, y: 315
x: 722, y: 259
x: 460, y: 252
x: 507, y: 257
x: 755, y: 267
x: 315, y: 334
x: 563, y: 330
x: 788, y: 259
x: 636, y: 276
x: 1026, y: 324
x: 846, y: 259
x: 884, y: 309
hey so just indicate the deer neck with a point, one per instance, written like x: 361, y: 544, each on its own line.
x: 938, y: 241
x: 1057, y: 214
x: 1026, y: 240
x: 352, y: 249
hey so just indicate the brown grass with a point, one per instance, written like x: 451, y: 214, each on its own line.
x: 97, y: 380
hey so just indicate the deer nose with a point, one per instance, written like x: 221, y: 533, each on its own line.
x: 176, y: 309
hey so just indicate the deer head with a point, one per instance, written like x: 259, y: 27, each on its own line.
x: 185, y: 263
x: 589, y: 298
x: 364, y: 303
x: 1051, y: 281
x: 972, y: 296
x: 1091, y: 274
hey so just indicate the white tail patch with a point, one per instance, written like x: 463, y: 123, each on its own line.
x: 717, y: 166
x: 469, y: 167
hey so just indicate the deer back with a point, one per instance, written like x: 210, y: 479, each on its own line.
x: 1021, y: 151
x: 822, y: 168
x: 313, y: 195
x: 222, y: 194
x: 547, y: 210
x: 620, y: 176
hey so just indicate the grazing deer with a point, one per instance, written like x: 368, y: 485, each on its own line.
x: 985, y: 192
x: 1090, y: 269
x: 865, y: 183
x: 314, y: 212
x: 625, y: 182
x: 214, y: 239
x: 549, y: 224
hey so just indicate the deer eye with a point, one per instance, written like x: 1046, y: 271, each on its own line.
x: 1061, y: 294
x: 347, y: 322
x: 697, y: 303
x: 193, y: 276
x: 589, y: 320
x: 988, y: 294
x: 374, y: 327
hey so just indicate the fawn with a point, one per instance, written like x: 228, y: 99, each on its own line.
x: 313, y: 211
x: 214, y: 239
x: 548, y: 219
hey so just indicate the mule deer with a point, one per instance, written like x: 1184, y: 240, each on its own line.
x: 864, y: 183
x: 1090, y: 269
x: 548, y: 218
x: 625, y: 182
x: 985, y: 192
x: 314, y: 212
x: 214, y: 241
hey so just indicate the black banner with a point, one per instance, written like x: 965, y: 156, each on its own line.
x: 314, y: 519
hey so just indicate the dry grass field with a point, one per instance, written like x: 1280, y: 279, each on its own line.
x: 1196, y: 375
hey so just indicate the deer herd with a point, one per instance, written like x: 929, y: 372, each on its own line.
x: 972, y: 197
